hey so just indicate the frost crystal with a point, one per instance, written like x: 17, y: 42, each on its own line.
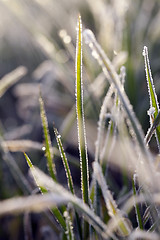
x: 151, y: 111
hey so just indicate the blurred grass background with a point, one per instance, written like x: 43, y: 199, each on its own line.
x: 41, y: 36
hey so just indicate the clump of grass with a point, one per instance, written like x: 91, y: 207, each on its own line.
x: 119, y: 134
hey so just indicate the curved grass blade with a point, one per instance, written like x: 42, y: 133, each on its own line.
x: 81, y: 123
x: 152, y: 95
x: 11, y: 78
x: 43, y: 190
x: 47, y: 183
x: 48, y: 146
x: 113, y: 77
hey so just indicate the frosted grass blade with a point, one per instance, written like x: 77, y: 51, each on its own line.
x: 43, y: 190
x: 21, y: 145
x: 68, y: 174
x: 102, y: 117
x: 152, y: 95
x: 101, y: 124
x: 80, y: 116
x: 34, y: 203
x: 70, y: 234
x: 48, y: 146
x: 81, y: 123
x: 65, y: 161
x: 113, y: 77
x: 47, y: 183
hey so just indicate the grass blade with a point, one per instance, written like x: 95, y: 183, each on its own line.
x: 81, y: 123
x: 138, y: 214
x: 152, y: 95
x: 46, y: 182
x: 48, y: 147
x: 65, y: 161
x: 43, y: 190
x: 34, y: 203
x: 80, y: 116
x: 69, y: 226
x: 113, y: 77
x: 68, y: 174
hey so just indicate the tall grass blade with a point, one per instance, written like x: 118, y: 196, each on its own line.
x: 48, y: 146
x: 81, y: 123
x: 152, y: 95
x: 43, y: 190
x: 80, y: 116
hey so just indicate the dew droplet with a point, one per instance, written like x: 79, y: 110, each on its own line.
x: 65, y: 214
x: 67, y: 39
x: 95, y: 54
x: 145, y: 50
x: 43, y: 148
x: 58, y: 136
x: 151, y: 111
x: 62, y: 33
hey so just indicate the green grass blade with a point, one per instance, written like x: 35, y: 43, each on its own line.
x: 48, y: 146
x: 65, y: 161
x: 80, y: 116
x: 81, y: 124
x: 68, y: 174
x: 152, y: 94
x: 138, y: 214
x: 43, y: 190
